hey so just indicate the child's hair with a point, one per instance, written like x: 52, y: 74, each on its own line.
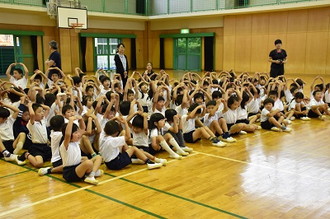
x: 111, y: 127
x: 66, y: 108
x: 49, y: 99
x: 74, y: 129
x: 14, y: 97
x: 38, y: 77
x: 130, y: 91
x: 252, y: 91
x: 40, y: 99
x: 156, y: 117
x: 85, y: 99
x: 299, y: 95
x: 160, y: 98
x: 117, y: 85
x: 211, y: 103
x: 292, y: 89
x: 89, y: 87
x: 76, y: 80
x: 245, y: 99
x: 178, y: 100
x: 316, y: 91
x: 35, y: 106
x: 268, y: 100
x: 56, y: 122
x: 273, y: 92
x: 20, y: 71
x: 4, y: 113
x: 231, y: 100
x: 214, y: 81
x: 300, y: 82
x: 138, y: 121
x: 193, y: 106
x: 206, y: 83
x: 169, y: 114
x: 216, y: 94
x: 327, y: 86
x: 103, y: 79
x: 198, y: 95
x: 320, y: 86
x: 124, y: 107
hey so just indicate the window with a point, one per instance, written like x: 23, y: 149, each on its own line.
x: 105, y: 51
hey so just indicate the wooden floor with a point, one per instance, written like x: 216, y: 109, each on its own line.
x: 262, y: 175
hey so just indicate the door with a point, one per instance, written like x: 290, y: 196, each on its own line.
x: 187, y: 53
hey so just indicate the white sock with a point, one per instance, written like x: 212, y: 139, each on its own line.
x: 176, y: 146
x: 137, y: 161
x: 167, y: 148
x: 92, y: 174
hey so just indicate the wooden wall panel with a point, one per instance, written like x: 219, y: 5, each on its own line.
x: 65, y: 45
x: 89, y: 55
x: 316, y: 52
x: 318, y: 19
x: 259, y: 53
x: 229, y: 52
x: 169, y: 46
x: 296, y: 49
x: 278, y: 22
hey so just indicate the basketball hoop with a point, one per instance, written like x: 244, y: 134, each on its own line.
x: 76, y: 26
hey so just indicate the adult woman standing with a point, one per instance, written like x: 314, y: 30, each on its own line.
x: 278, y: 58
x: 121, y: 63
x: 54, y: 59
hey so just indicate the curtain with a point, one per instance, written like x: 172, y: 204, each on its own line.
x: 133, y: 54
x: 34, y: 44
x: 162, y: 54
x: 83, y: 44
x: 209, y: 53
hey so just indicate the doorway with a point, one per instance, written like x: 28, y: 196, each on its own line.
x: 187, y: 53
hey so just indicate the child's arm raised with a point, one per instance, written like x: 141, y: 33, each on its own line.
x: 68, y: 132
x: 127, y: 129
x: 193, y: 113
x: 9, y: 70
x: 32, y: 113
x: 13, y: 108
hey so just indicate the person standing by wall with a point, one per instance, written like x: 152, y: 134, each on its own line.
x: 121, y: 63
x: 278, y: 58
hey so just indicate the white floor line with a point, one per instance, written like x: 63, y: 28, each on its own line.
x: 253, y: 164
x: 78, y: 190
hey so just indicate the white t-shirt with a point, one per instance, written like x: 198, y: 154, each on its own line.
x: 230, y: 116
x: 313, y: 102
x: 72, y: 155
x: 38, y: 131
x: 140, y: 139
x: 254, y: 105
x: 288, y: 96
x: 292, y: 104
x: 55, y: 145
x: 6, y: 129
x: 161, y: 112
x: 209, y: 119
x: 166, y: 127
x: 145, y: 101
x: 181, y: 111
x: 278, y: 104
x: 188, y: 124
x: 242, y: 113
x: 327, y: 96
x: 264, y: 113
x: 110, y: 147
x: 20, y: 82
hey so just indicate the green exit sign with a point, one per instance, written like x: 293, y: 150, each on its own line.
x: 185, y: 31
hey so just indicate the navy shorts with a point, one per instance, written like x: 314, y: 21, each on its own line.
x: 252, y: 114
x: 42, y: 150
x: 298, y: 116
x: 188, y: 137
x: 149, y: 149
x: 70, y: 175
x: 266, y: 125
x: 9, y: 147
x: 245, y: 121
x: 121, y: 161
x: 312, y: 114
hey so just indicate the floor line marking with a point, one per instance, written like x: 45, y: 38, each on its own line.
x: 253, y: 164
x: 13, y: 174
x: 178, y: 196
x: 73, y: 191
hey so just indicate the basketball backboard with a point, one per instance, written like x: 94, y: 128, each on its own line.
x: 67, y: 16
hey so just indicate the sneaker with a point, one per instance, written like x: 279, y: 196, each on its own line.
x: 305, y: 118
x: 19, y: 162
x: 154, y: 165
x: 12, y: 157
x: 292, y: 118
x: 275, y: 129
x: 187, y: 149
x: 182, y: 153
x: 286, y: 129
x: 99, y: 173
x: 91, y: 180
x: 219, y: 144
x: 43, y: 171
x: 243, y: 132
x: 229, y: 139
x: 161, y: 161
x: 322, y: 117
x: 176, y: 156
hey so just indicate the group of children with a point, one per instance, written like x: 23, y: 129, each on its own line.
x: 80, y: 121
